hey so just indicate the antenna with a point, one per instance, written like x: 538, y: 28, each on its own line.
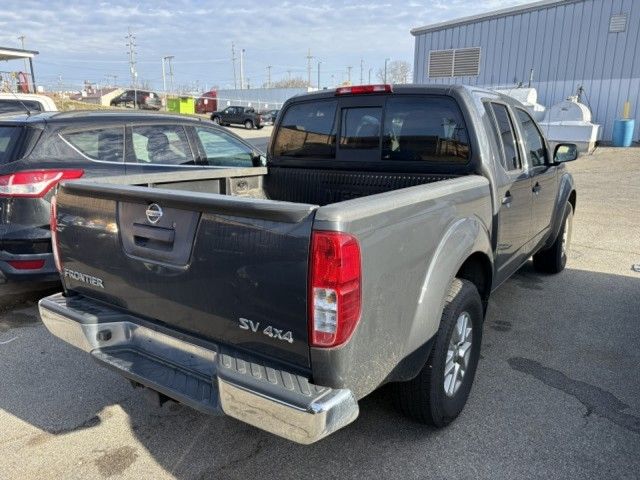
x: 21, y: 103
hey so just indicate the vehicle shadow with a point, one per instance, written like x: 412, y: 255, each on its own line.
x: 528, y: 315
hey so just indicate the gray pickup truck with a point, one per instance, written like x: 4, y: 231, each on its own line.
x: 363, y: 253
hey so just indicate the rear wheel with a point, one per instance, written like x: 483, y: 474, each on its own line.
x: 248, y: 124
x: 554, y: 258
x: 440, y: 391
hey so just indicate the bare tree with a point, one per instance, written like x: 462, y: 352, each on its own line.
x: 398, y: 71
x: 296, y: 82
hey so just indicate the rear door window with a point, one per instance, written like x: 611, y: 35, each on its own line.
x: 8, y: 138
x: 506, y: 137
x: 427, y: 129
x: 103, y: 144
x: 161, y: 145
x: 307, y: 130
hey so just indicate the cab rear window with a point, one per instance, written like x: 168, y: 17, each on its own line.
x: 8, y: 138
x: 427, y: 129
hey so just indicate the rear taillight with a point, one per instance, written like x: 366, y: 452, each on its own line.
x: 26, y: 264
x: 54, y: 233
x: 35, y: 183
x: 335, y: 278
x: 362, y: 89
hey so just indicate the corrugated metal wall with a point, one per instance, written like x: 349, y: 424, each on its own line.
x: 566, y: 44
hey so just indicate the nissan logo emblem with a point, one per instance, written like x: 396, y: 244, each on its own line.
x: 154, y: 213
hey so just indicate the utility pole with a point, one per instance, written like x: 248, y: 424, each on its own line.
x: 170, y: 72
x: 242, y: 69
x: 233, y: 60
x: 333, y: 81
x: 349, y: 74
x: 309, y: 58
x: 26, y: 67
x: 385, y: 69
x: 269, y: 76
x: 319, y: 75
x: 289, y: 74
x: 361, y: 71
x: 131, y: 43
x: 370, y: 75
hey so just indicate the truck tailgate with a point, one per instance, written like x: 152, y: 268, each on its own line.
x: 231, y: 270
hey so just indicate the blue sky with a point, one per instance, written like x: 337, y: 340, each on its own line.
x: 85, y: 40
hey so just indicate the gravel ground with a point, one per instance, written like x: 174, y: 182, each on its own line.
x: 557, y: 392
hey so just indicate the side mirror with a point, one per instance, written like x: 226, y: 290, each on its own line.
x: 259, y: 160
x: 565, y: 152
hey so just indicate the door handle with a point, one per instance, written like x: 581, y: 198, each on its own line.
x: 536, y: 188
x: 506, y: 200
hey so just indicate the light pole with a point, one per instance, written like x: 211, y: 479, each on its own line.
x: 370, y: 70
x: 242, y: 69
x: 385, y: 69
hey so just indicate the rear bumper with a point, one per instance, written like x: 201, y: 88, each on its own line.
x: 206, y: 376
x: 47, y: 273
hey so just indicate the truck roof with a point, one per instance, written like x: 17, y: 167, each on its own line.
x: 417, y: 89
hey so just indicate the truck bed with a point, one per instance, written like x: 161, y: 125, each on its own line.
x: 297, y: 185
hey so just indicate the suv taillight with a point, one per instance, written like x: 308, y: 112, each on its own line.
x: 335, y: 278
x: 35, y: 183
x: 53, y: 222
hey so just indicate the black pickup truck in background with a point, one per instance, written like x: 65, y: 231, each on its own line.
x: 364, y: 253
x: 246, y: 116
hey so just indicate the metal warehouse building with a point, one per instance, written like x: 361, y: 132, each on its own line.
x: 557, y: 44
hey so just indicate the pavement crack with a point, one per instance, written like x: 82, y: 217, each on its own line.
x: 595, y: 399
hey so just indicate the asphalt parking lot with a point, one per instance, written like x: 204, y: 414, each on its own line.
x: 556, y: 396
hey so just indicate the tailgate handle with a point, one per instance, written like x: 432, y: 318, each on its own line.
x: 143, y: 233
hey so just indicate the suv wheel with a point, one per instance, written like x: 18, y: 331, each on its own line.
x: 439, y: 392
x: 248, y: 124
x: 554, y: 258
x: 216, y: 120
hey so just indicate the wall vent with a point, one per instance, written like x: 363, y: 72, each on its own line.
x: 459, y: 62
x: 618, y: 23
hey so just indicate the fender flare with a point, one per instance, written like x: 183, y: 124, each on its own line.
x: 565, y: 189
x: 462, y: 239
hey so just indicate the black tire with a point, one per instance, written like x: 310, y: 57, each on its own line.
x: 248, y: 124
x: 424, y: 398
x: 261, y: 126
x: 554, y: 258
x: 216, y: 120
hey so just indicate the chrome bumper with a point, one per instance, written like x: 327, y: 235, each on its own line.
x: 202, y: 375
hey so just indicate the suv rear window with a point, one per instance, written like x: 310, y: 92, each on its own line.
x: 427, y: 129
x: 8, y: 138
x: 104, y: 144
